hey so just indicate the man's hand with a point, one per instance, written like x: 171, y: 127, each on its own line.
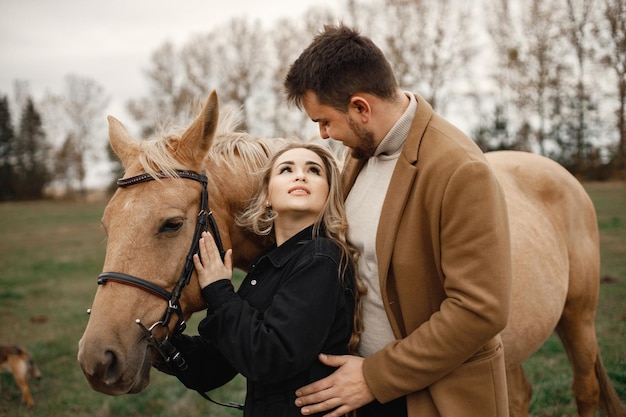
x: 343, y: 391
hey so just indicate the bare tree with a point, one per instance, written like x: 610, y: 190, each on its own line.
x: 200, y: 64
x: 539, y: 93
x: 78, y: 113
x: 170, y: 94
x: 68, y: 165
x: 289, y: 38
x: 364, y: 14
x: 429, y: 45
x: 8, y: 155
x: 531, y: 51
x: 231, y: 59
x: 494, y: 130
x: 612, y: 37
x: 580, y: 105
x: 31, y: 169
x: 243, y: 61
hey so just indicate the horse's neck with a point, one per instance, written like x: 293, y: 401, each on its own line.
x: 246, y: 247
x: 232, y: 185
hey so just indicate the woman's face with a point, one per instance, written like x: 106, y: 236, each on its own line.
x: 298, y: 186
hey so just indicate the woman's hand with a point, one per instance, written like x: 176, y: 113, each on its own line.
x: 209, y: 265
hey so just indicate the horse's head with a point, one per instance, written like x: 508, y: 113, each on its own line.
x: 151, y: 227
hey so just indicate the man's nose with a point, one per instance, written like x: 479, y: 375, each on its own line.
x: 323, y: 133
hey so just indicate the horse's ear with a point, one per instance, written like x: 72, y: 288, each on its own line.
x: 122, y: 143
x: 200, y: 134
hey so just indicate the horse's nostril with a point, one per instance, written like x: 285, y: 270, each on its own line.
x: 110, y: 367
x: 109, y: 357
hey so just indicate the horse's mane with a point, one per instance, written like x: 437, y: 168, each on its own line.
x: 229, y: 146
x: 252, y: 151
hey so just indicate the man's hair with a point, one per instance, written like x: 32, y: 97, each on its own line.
x: 337, y: 64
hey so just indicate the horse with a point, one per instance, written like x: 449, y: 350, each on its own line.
x: 182, y: 183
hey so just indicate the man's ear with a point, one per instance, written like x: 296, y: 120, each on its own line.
x: 361, y: 107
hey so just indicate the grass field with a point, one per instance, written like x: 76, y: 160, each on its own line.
x: 52, y: 252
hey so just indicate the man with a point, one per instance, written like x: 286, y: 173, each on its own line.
x: 431, y: 223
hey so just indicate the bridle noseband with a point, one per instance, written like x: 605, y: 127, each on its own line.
x: 204, y: 221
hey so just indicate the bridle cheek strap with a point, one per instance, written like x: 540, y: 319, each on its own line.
x: 204, y: 221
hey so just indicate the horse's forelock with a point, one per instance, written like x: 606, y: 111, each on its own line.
x: 253, y: 152
x: 156, y: 155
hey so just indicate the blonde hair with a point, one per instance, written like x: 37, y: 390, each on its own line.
x: 331, y: 221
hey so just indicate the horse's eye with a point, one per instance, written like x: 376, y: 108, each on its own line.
x: 171, y: 225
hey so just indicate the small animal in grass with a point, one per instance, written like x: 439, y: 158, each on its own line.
x: 19, y: 362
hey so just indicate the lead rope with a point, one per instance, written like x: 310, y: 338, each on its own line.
x: 229, y: 404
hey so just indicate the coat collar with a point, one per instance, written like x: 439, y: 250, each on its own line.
x: 280, y: 255
x: 424, y: 113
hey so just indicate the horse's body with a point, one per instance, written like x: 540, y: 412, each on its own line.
x: 556, y: 277
x: 150, y: 227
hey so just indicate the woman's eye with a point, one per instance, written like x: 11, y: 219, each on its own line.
x: 315, y: 170
x: 171, y: 225
x: 284, y: 169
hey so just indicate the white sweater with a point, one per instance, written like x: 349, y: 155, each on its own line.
x: 363, y: 206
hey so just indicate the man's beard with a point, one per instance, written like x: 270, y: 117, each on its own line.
x: 367, y: 145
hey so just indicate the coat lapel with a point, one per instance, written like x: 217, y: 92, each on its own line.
x: 351, y: 170
x: 401, y: 184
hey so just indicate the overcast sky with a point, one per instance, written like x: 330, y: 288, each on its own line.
x: 111, y: 41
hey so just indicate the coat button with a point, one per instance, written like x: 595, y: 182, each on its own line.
x: 253, y: 282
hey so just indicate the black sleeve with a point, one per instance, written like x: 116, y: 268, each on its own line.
x: 286, y: 338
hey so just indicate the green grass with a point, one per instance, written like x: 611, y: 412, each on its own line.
x: 50, y: 256
x: 52, y: 252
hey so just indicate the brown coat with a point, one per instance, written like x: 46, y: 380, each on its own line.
x: 444, y: 262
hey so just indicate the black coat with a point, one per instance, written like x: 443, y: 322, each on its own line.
x: 290, y: 307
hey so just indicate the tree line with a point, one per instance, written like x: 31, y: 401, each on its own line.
x: 547, y: 76
x: 54, y: 140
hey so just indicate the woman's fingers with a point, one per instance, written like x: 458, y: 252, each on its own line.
x: 209, y: 264
x: 197, y: 262
x: 228, y: 259
x: 211, y: 247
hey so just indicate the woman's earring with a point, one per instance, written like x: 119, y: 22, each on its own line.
x: 268, y: 206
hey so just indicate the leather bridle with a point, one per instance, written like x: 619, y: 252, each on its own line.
x: 204, y: 221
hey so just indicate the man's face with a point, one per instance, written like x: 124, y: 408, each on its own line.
x: 344, y: 127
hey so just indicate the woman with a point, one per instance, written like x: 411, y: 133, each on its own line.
x: 300, y: 298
